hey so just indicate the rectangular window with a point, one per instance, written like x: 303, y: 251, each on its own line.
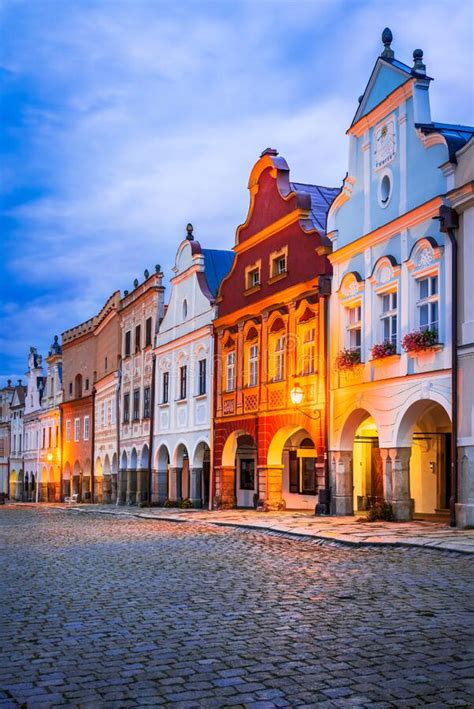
x: 166, y: 387
x: 146, y: 403
x: 279, y: 373
x: 182, y: 381
x: 230, y: 372
x: 202, y: 377
x: 102, y: 415
x: 50, y: 435
x: 147, y: 332
x: 105, y: 363
x: 309, y: 483
x: 309, y: 351
x: 354, y: 327
x: 68, y: 430
x: 128, y: 343
x: 428, y: 304
x: 14, y: 442
x: 44, y: 438
x: 136, y: 405
x: 87, y: 385
x: 77, y: 429
x: 138, y: 338
x: 126, y: 408
x: 56, y: 438
x: 70, y: 388
x: 253, y: 365
x: 247, y: 474
x: 20, y: 443
x: 389, y: 317
x: 279, y: 265
x: 86, y: 428
x: 253, y: 278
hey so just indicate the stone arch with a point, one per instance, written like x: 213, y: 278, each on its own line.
x: 180, y: 478
x: 98, y: 470
x: 145, y: 457
x: 124, y: 460
x: 114, y: 464
x: 201, y: 474
x: 76, y: 479
x: 200, y: 452
x: 295, y: 474
x: 181, y: 451
x: 350, y: 426
x: 161, y: 482
x: 67, y: 480
x: 162, y: 457
x: 230, y: 447
x: 275, y: 449
x: 133, y: 459
x: 414, y: 409
x: 106, y: 469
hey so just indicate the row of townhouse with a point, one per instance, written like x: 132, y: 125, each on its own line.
x: 325, y: 361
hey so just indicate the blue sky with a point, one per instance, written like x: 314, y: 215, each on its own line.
x: 124, y: 120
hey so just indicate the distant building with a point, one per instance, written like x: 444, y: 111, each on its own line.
x: 270, y: 378
x: 50, y: 448
x: 184, y: 376
x: 141, y: 311
x: 391, y: 305
x: 6, y: 394
x: 16, y: 458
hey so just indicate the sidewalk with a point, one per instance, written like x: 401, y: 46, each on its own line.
x: 344, y: 530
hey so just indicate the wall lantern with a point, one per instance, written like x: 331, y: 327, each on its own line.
x: 296, y: 395
x: 49, y: 457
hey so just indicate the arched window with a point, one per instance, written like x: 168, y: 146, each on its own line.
x: 185, y: 309
x: 277, y: 351
x: 78, y: 386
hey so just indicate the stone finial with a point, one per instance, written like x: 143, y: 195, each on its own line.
x: 189, y: 232
x: 418, y: 65
x: 157, y: 268
x: 125, y: 293
x: 269, y: 151
x: 135, y: 283
x: 387, y: 39
x: 146, y: 273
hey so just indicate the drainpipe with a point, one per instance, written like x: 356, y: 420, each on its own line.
x: 448, y: 222
x: 60, y: 442
x: 152, y: 421
x: 92, y: 432
x: 324, y: 291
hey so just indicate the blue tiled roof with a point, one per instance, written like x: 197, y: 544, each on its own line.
x: 321, y: 200
x: 456, y: 136
x: 217, y: 265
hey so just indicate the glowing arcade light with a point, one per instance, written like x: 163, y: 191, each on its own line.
x: 49, y: 457
x: 296, y: 395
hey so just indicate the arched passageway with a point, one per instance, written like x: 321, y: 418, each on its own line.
x: 179, y: 474
x: 98, y: 481
x: 77, y: 480
x: 200, y: 476
x: 86, y: 481
x: 66, y: 491
x: 142, y: 476
x: 295, y: 473
x: 132, y: 478
x: 161, y: 479
x: 122, y: 479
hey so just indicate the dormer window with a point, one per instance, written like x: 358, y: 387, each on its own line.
x: 254, y: 278
x: 278, y: 263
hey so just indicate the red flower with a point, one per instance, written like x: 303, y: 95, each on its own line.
x: 419, y: 341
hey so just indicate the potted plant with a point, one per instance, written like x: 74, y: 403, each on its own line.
x: 420, y: 340
x: 383, y: 349
x: 347, y: 358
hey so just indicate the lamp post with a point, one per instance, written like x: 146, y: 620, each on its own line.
x: 324, y: 495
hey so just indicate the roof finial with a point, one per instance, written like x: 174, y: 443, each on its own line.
x: 387, y: 39
x: 189, y: 232
x: 269, y: 151
x: 418, y: 65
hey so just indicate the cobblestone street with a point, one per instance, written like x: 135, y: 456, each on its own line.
x: 110, y: 611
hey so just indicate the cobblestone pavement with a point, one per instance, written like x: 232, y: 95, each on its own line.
x: 115, y: 611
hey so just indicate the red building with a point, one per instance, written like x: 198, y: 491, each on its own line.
x: 270, y: 374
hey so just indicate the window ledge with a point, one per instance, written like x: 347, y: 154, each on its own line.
x: 387, y: 360
x: 277, y: 277
x: 434, y: 348
x: 164, y: 404
x: 182, y: 401
x: 253, y: 289
x: 201, y: 396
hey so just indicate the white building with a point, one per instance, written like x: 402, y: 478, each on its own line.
x: 50, y: 448
x: 6, y: 394
x: 390, y: 344
x: 16, y: 463
x: 184, y: 369
x: 35, y: 382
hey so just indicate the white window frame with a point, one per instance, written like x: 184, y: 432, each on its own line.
x: 353, y: 326
x: 308, y: 350
x: 253, y: 365
x: 390, y: 316
x: 428, y: 301
x: 86, y: 428
x: 230, y: 371
x: 77, y: 430
x: 279, y: 354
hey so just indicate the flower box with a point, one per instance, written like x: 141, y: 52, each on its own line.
x: 420, y: 341
x: 346, y: 359
x: 383, y: 350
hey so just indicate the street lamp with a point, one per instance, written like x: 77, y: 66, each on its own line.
x: 49, y: 457
x: 296, y: 395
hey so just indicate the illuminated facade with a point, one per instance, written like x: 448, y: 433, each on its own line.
x: 107, y: 337
x: 6, y: 394
x: 49, y: 419
x: 391, y: 346
x: 141, y: 311
x: 270, y: 339
x: 184, y: 367
x: 35, y: 470
x: 15, y: 476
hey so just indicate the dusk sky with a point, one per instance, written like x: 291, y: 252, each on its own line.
x: 124, y: 120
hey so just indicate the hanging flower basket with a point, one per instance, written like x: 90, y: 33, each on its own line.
x: 384, y: 349
x: 419, y: 341
x: 346, y: 359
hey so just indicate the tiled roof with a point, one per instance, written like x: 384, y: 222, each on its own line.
x: 321, y: 200
x: 217, y: 265
x: 456, y: 136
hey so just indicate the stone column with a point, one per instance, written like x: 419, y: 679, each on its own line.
x: 401, y: 503
x: 43, y: 492
x: 274, y: 493
x: 122, y: 486
x: 344, y: 485
x: 195, y: 487
x: 387, y: 474
x: 163, y: 485
x: 113, y: 488
x: 175, y: 484
x: 107, y: 490
x: 465, y: 505
x: 86, y: 488
x: 131, y: 487
x: 142, y: 485
x: 227, y: 487
x: 99, y: 489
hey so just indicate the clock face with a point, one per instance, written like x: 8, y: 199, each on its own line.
x: 384, y: 143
